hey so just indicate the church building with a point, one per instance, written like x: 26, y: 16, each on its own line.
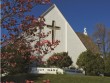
x: 62, y: 31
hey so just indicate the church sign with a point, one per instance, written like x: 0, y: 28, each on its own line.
x: 41, y: 70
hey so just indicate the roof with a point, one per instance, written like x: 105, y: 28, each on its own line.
x: 48, y: 10
x: 89, y: 44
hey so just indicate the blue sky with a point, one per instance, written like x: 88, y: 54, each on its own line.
x: 83, y: 13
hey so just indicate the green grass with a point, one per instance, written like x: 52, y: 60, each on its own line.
x: 58, y: 78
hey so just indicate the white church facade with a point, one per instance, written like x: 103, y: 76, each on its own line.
x: 62, y: 31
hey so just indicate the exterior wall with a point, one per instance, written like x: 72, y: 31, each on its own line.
x: 74, y: 45
x: 69, y: 41
x: 55, y: 15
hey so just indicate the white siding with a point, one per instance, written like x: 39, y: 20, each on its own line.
x: 55, y: 15
x: 74, y: 46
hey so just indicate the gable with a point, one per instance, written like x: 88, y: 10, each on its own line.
x: 55, y: 15
x: 70, y: 42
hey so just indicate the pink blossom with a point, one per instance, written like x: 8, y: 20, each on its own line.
x: 4, y: 35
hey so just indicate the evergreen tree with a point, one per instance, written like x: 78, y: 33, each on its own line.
x: 92, y: 64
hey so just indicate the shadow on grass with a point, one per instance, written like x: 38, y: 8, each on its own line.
x: 21, y: 78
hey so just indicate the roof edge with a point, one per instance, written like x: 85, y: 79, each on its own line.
x: 48, y: 10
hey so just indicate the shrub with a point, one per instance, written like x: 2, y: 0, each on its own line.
x: 59, y: 60
x: 91, y: 63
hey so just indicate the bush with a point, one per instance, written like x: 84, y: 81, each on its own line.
x: 59, y: 60
x: 91, y: 63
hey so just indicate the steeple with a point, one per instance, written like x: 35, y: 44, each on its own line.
x: 85, y: 32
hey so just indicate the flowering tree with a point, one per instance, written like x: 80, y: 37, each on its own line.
x: 18, y: 25
x: 15, y: 59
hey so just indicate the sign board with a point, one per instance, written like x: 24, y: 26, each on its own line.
x: 40, y: 70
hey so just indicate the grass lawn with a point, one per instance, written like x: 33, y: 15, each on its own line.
x: 66, y: 78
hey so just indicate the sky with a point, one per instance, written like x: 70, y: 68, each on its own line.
x: 83, y: 13
x: 80, y: 13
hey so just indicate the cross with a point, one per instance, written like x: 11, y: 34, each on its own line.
x: 53, y: 27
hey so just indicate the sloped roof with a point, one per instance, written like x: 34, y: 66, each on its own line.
x: 89, y: 44
x: 48, y: 10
